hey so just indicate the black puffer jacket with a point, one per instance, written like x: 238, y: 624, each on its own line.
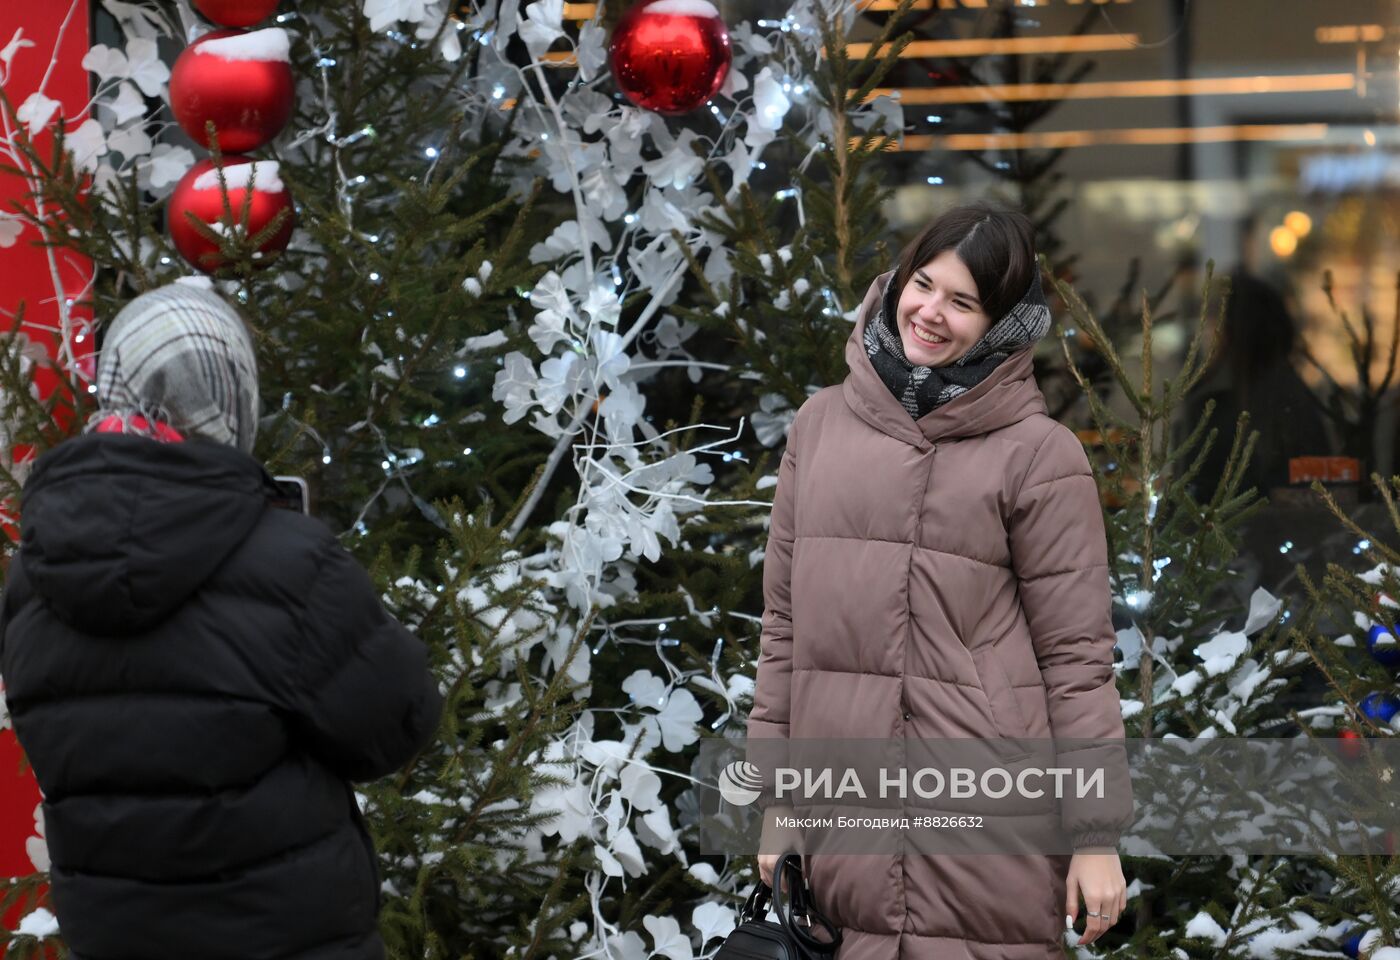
x: 195, y: 676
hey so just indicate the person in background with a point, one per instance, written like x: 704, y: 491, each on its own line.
x: 195, y: 675
x: 1254, y: 370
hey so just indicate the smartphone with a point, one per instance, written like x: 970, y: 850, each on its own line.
x: 292, y: 494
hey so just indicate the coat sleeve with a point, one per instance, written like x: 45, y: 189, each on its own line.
x: 1059, y: 552
x: 368, y: 702
x: 772, y: 698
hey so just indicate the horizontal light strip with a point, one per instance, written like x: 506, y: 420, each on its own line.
x: 586, y: 11
x: 886, y: 6
x: 1136, y: 136
x: 1201, y: 86
x: 1010, y: 46
x: 1093, y: 43
x: 1351, y: 33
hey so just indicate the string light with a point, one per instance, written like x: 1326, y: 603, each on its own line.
x: 459, y: 371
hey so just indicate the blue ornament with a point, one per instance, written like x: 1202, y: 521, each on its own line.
x: 1388, y: 653
x: 1380, y: 707
x: 1351, y: 946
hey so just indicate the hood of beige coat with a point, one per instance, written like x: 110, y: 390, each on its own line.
x: 1008, y: 394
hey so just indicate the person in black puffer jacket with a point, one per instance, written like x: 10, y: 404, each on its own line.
x: 194, y: 674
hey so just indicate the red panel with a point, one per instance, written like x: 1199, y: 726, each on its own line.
x: 59, y: 31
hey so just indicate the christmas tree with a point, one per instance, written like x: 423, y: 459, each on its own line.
x: 468, y: 203
x: 516, y: 342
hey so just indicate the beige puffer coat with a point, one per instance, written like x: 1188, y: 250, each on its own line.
x: 945, y: 577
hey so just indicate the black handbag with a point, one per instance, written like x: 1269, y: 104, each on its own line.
x: 791, y: 938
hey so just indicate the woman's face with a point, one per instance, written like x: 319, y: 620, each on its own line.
x: 940, y: 300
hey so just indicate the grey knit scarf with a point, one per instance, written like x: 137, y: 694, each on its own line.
x: 920, y: 389
x: 181, y: 355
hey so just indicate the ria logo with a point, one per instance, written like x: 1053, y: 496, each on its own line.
x: 740, y: 783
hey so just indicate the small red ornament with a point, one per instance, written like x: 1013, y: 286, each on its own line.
x: 670, y: 56
x: 236, y: 13
x: 1352, y: 745
x: 240, y: 80
x: 198, y: 193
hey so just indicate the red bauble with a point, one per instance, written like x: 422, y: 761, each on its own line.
x: 241, y: 81
x: 670, y: 56
x: 198, y: 193
x: 236, y: 13
x: 1352, y: 745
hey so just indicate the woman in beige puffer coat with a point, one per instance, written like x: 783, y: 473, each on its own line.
x: 937, y: 568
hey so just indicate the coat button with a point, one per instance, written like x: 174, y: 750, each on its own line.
x: 908, y: 715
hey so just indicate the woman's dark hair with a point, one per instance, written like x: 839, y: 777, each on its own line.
x: 996, y: 244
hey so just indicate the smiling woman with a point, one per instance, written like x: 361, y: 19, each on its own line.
x: 964, y: 296
x: 935, y: 568
x: 939, y: 314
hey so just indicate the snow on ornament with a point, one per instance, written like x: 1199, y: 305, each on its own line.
x: 1381, y: 708
x: 198, y: 193
x: 1384, y: 648
x: 670, y: 56
x: 236, y: 13
x: 241, y: 81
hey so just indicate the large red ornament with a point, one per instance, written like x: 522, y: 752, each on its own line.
x: 242, y: 81
x: 198, y: 193
x: 236, y: 13
x: 670, y: 56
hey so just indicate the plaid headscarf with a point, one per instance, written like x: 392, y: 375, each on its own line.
x: 180, y: 355
x: 921, y: 389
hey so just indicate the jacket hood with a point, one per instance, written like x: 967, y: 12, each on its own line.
x: 1009, y: 393
x: 118, y: 531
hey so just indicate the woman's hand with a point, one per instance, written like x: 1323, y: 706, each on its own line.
x: 775, y: 841
x: 1096, y: 873
x: 767, y: 863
